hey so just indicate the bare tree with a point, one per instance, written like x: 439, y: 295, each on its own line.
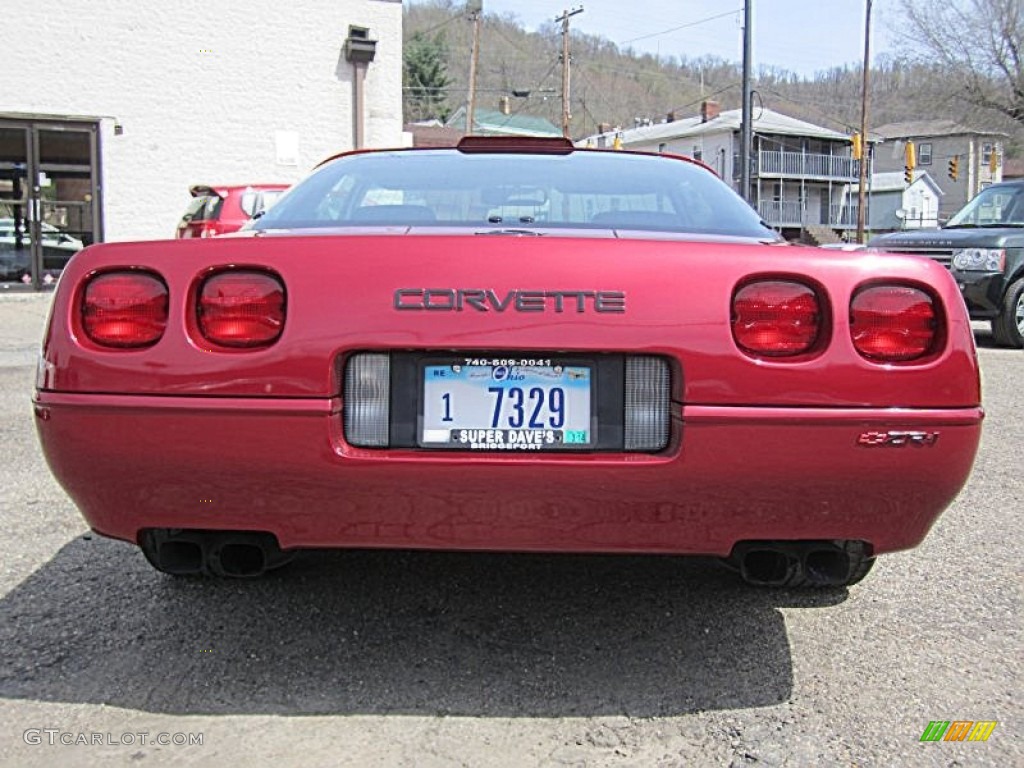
x: 978, y: 44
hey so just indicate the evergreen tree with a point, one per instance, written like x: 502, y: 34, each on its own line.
x: 425, y: 78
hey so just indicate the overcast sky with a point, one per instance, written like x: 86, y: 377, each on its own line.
x: 803, y: 36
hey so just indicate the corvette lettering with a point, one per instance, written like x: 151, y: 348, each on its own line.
x: 487, y: 300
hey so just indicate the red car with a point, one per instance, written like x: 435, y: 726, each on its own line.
x: 222, y: 209
x: 509, y: 345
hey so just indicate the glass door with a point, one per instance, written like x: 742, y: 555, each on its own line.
x: 49, y: 185
x: 63, y: 196
x: 15, y: 239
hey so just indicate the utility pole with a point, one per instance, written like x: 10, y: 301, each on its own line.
x: 746, y: 121
x: 566, y: 115
x: 865, y: 144
x: 475, y: 11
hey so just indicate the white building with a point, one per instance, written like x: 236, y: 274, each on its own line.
x: 799, y: 170
x: 111, y: 110
x: 898, y: 205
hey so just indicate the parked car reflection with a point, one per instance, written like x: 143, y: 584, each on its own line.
x: 15, y: 251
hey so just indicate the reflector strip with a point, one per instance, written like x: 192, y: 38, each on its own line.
x: 647, y: 404
x: 367, y: 400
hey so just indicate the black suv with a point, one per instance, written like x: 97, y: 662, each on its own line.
x: 983, y: 246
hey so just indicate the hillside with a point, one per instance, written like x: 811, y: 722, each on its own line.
x: 610, y: 85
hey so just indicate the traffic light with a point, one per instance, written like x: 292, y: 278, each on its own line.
x: 954, y: 167
x: 617, y: 141
x: 857, y: 148
x: 993, y: 160
x: 910, y: 154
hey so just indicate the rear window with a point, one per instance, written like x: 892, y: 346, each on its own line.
x: 1001, y: 205
x: 203, y: 208
x: 255, y: 200
x: 596, y: 190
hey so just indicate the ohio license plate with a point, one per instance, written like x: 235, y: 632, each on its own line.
x: 507, y: 405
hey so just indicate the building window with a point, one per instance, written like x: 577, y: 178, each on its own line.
x: 924, y: 154
x: 697, y: 153
x: 986, y: 153
x: 662, y: 148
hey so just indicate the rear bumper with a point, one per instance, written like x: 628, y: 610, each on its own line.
x: 282, y: 466
x: 982, y: 292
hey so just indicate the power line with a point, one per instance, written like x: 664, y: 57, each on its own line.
x: 526, y: 54
x: 831, y: 118
x: 436, y: 27
x: 432, y: 89
x: 599, y: 92
x: 541, y: 82
x: 723, y: 89
x: 674, y: 75
x: 681, y: 26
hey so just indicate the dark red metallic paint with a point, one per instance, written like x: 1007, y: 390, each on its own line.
x: 761, y: 448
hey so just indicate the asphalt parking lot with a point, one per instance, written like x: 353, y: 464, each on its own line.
x: 425, y: 659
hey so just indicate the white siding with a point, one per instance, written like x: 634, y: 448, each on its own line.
x: 201, y: 90
x: 921, y: 206
x: 715, y: 149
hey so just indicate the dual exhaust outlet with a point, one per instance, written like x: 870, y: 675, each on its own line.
x: 234, y: 554
x: 801, y: 563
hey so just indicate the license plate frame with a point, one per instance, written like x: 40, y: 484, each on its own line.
x: 540, y: 371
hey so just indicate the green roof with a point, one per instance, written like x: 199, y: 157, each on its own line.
x: 488, y: 122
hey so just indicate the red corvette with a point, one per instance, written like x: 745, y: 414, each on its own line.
x: 511, y: 345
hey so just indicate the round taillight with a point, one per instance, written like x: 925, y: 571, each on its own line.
x: 776, y: 318
x: 241, y: 308
x: 125, y: 309
x: 893, y: 323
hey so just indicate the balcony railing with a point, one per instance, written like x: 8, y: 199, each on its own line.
x: 796, y: 214
x: 804, y: 165
x: 843, y: 215
x: 780, y: 214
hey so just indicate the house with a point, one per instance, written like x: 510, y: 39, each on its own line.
x: 1013, y: 169
x: 800, y: 171
x: 894, y: 204
x: 432, y: 135
x: 978, y: 153
x: 120, y: 107
x: 489, y: 122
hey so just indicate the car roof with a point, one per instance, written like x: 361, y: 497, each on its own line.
x: 223, y: 190
x: 529, y: 145
x: 1007, y: 183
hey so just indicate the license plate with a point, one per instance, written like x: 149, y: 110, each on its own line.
x: 507, y: 405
